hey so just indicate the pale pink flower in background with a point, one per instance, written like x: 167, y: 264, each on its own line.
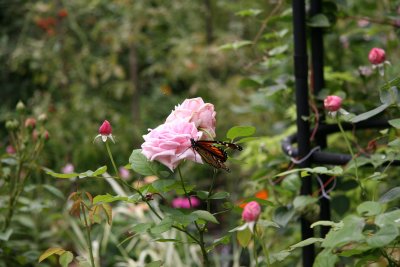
x: 362, y: 23
x: 195, y: 110
x: 105, y: 132
x: 30, y: 123
x: 124, y: 173
x: 183, y: 202
x: 251, y: 212
x: 376, y: 56
x: 365, y: 71
x: 10, y: 149
x: 68, y: 168
x: 332, y: 103
x: 170, y: 143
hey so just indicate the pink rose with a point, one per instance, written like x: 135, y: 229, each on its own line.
x: 195, y: 110
x: 251, y: 211
x: 376, y: 56
x: 170, y: 143
x: 183, y: 202
x: 332, y: 103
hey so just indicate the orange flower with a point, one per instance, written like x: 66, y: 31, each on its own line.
x: 262, y: 194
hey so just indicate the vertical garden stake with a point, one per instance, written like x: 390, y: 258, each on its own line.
x: 317, y: 59
x: 302, y: 110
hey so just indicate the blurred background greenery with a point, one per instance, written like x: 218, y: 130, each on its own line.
x: 130, y: 62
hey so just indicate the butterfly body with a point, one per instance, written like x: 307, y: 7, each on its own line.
x: 211, y: 153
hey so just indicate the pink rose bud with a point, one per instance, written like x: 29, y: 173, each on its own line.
x: 35, y: 135
x: 105, y: 128
x: 332, y: 103
x: 46, y: 135
x: 124, y: 173
x: 251, y: 211
x: 30, y: 123
x: 183, y: 202
x: 376, y: 56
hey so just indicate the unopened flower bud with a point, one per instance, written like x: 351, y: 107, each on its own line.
x: 10, y: 149
x: 251, y: 211
x: 376, y: 56
x: 105, y: 128
x: 20, y: 106
x: 46, y: 135
x: 30, y: 123
x: 333, y: 103
x: 35, y: 135
x: 42, y: 117
x: 12, y: 125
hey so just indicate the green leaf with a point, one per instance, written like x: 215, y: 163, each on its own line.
x: 306, y: 242
x: 395, y: 123
x: 393, y: 83
x: 141, y: 227
x: 276, y: 51
x: 143, y: 166
x: 162, y: 227
x: 335, y: 171
x: 163, y: 185
x: 61, y: 175
x: 325, y: 259
x: 66, y: 258
x: 389, y: 96
x: 50, y: 252
x: 369, y: 114
x: 384, y: 236
x: 202, y: 194
x: 252, y: 12
x: 154, y: 264
x: 301, y: 202
x: 319, y: 21
x: 283, y: 215
x: 100, y: 171
x: 335, y: 226
x: 108, y: 198
x: 350, y: 232
x: 235, y: 45
x: 369, y: 208
x: 266, y: 223
x: 220, y: 195
x: 205, y: 215
x: 5, y: 236
x: 240, y: 131
x: 244, y: 237
x: 279, y: 256
x: 55, y: 191
x: 388, y: 218
x: 390, y: 195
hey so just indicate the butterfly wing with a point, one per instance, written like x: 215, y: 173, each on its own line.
x: 221, y: 143
x: 215, y: 158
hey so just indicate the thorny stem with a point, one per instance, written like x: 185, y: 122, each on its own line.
x: 200, y: 230
x: 88, y: 238
x: 363, y: 193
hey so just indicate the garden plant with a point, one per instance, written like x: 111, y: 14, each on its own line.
x: 146, y: 133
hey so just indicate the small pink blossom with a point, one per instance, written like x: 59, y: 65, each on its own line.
x: 68, y: 168
x: 10, y: 149
x: 333, y: 103
x: 169, y: 143
x: 195, y: 110
x: 46, y: 135
x: 376, y: 56
x: 251, y: 211
x: 183, y: 202
x: 124, y: 173
x: 363, y: 23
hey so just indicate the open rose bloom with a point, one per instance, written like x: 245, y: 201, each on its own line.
x: 169, y: 143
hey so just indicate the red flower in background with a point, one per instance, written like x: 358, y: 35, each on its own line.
x: 62, y: 13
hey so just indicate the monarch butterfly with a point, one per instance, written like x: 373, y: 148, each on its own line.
x: 211, y: 154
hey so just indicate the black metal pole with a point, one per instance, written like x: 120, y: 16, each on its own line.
x: 317, y: 59
x: 302, y: 109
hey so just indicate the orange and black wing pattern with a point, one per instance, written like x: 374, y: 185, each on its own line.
x: 212, y: 154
